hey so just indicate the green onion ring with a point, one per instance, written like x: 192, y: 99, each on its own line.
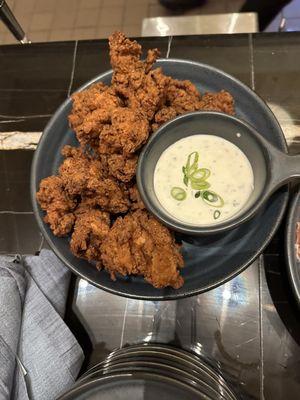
x: 210, y: 197
x: 178, y: 193
x: 199, y: 185
x: 217, y: 214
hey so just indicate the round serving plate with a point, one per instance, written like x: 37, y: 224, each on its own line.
x: 133, y: 386
x: 163, y: 370
x: 209, y: 261
x: 167, y: 355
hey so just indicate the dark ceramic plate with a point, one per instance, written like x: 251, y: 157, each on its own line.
x: 133, y: 386
x: 292, y: 262
x: 209, y: 261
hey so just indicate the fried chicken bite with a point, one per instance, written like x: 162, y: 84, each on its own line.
x: 221, y: 101
x: 91, y: 227
x: 162, y: 116
x: 108, y: 194
x: 183, y: 96
x: 58, y: 205
x: 128, y: 131
x: 133, y: 79
x: 86, y: 176
x: 135, y: 198
x: 91, y: 110
x: 138, y: 244
x: 77, y: 169
x: 121, y: 167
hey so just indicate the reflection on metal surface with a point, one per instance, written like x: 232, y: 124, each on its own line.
x: 200, y: 24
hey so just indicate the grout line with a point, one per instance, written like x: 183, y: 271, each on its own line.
x: 251, y: 60
x: 16, y: 212
x: 32, y: 90
x: 17, y: 117
x: 123, y: 325
x: 169, y: 46
x: 73, y: 68
x: 8, y: 121
x: 261, y: 264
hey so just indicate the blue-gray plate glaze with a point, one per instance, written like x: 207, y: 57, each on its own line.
x: 209, y: 261
x: 293, y: 264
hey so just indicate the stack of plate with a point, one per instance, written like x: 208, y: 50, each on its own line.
x: 149, y: 370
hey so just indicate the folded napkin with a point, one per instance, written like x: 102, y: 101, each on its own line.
x: 39, y: 356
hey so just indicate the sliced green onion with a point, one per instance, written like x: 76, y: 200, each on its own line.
x: 201, y: 173
x: 194, y: 163
x: 185, y: 180
x: 178, y: 193
x: 212, y: 198
x: 217, y: 214
x: 197, y: 194
x: 199, y: 185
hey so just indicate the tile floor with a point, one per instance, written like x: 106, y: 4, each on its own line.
x: 52, y: 20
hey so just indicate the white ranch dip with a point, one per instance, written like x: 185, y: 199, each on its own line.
x: 223, y: 167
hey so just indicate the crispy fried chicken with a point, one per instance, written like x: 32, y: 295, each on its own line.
x: 96, y: 181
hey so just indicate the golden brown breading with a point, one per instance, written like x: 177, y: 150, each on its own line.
x: 91, y: 227
x: 122, y: 168
x: 92, y: 110
x: 77, y: 169
x: 132, y: 78
x: 183, y: 96
x: 136, y: 201
x: 221, y: 101
x: 108, y: 194
x: 163, y: 115
x: 85, y: 176
x: 112, y: 123
x: 128, y: 131
x: 57, y: 204
x: 138, y: 244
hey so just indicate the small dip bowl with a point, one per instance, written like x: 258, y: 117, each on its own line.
x: 271, y: 168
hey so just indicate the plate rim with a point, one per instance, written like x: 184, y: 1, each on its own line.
x: 163, y: 297
x: 290, y: 245
x: 70, y: 394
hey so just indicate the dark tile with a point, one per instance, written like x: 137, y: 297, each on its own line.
x: 227, y: 52
x: 8, y: 234
x: 17, y: 165
x: 4, y: 188
x: 30, y: 124
x: 29, y: 236
x: 148, y: 43
x: 27, y: 111
x: 93, y: 57
x: 276, y: 58
x: 36, y: 67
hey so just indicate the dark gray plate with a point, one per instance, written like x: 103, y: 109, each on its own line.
x: 133, y: 386
x: 293, y: 263
x: 191, y: 363
x: 151, y: 366
x: 210, y: 261
x: 198, y: 364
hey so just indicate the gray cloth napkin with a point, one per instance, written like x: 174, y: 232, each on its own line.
x: 39, y: 356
